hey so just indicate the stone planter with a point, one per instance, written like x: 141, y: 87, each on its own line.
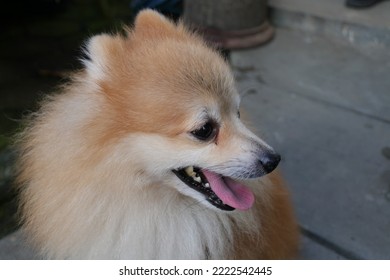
x: 230, y: 24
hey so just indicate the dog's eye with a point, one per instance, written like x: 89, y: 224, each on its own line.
x: 206, y: 132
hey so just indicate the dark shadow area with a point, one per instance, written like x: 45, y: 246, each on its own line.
x: 41, y: 44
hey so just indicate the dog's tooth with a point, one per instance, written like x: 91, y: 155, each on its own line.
x: 190, y: 170
x: 207, y: 185
x: 198, y: 179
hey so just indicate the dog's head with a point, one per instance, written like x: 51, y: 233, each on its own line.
x: 174, y: 111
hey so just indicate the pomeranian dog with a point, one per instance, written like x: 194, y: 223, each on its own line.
x: 143, y: 156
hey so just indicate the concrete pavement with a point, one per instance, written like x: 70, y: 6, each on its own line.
x: 326, y: 107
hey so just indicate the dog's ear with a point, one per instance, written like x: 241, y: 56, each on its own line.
x: 103, y: 51
x: 100, y: 51
x: 150, y: 24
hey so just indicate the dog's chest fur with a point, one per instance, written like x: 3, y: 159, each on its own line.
x: 152, y: 224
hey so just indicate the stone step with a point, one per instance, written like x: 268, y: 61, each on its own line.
x: 332, y: 18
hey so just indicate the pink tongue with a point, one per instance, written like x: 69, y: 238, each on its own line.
x: 229, y: 191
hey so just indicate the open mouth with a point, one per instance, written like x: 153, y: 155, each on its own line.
x: 222, y: 192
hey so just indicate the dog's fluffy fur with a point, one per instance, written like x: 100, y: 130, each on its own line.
x: 96, y: 161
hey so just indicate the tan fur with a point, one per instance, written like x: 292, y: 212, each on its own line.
x: 95, y: 161
x: 279, y: 236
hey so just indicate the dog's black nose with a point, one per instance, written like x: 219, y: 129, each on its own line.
x: 269, y: 161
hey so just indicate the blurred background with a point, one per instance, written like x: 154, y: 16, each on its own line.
x: 314, y: 76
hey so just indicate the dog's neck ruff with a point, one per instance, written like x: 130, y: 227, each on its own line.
x: 154, y: 223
